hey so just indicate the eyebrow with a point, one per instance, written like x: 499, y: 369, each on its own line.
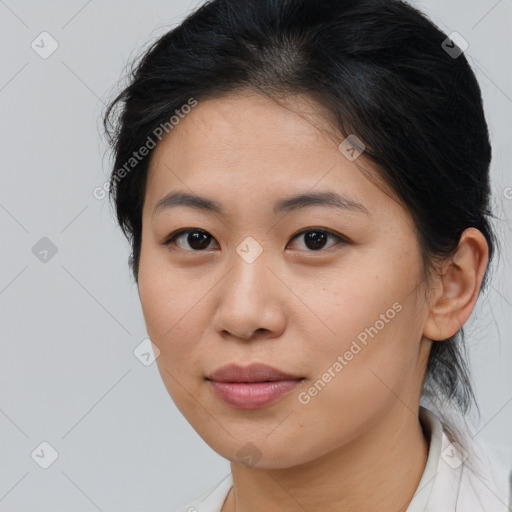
x: 297, y: 202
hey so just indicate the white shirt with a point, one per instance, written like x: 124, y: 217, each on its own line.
x: 452, y: 481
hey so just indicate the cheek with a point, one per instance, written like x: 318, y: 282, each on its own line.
x: 172, y: 313
x: 366, y: 371
x: 171, y: 307
x: 373, y: 335
x: 354, y: 302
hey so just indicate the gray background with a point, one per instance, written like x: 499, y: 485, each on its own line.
x: 69, y: 326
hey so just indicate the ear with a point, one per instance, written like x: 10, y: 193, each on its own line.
x: 456, y: 292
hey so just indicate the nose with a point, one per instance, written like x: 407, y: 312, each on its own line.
x: 250, y: 300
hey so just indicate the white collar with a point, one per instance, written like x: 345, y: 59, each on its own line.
x: 456, y: 480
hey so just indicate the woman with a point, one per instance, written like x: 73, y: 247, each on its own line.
x: 305, y: 185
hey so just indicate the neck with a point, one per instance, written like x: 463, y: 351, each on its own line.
x: 379, y: 471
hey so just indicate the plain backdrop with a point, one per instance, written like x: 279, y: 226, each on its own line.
x: 70, y: 316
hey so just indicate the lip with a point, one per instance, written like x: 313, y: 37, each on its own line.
x: 253, y: 395
x: 255, y: 372
x: 252, y: 387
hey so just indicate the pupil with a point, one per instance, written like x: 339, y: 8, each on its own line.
x: 317, y: 239
x: 198, y: 240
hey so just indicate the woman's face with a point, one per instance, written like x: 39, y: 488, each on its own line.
x: 254, y: 282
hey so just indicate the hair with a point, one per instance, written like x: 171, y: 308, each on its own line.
x: 379, y: 68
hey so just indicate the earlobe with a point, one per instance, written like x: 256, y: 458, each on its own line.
x: 456, y: 291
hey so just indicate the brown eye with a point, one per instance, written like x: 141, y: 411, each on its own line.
x: 315, y: 239
x: 197, y: 239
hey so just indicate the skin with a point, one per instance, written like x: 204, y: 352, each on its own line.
x: 358, y: 444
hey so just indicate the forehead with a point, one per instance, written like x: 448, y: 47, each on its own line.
x: 250, y: 145
x: 232, y: 123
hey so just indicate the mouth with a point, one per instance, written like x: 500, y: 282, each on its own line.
x: 252, y: 387
x: 251, y: 381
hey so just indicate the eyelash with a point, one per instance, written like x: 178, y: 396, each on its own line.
x: 173, y: 236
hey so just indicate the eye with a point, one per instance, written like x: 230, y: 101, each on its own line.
x: 316, y: 238
x: 198, y: 239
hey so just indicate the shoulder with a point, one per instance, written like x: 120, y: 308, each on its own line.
x: 210, y: 500
x: 486, y: 480
x: 474, y: 477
